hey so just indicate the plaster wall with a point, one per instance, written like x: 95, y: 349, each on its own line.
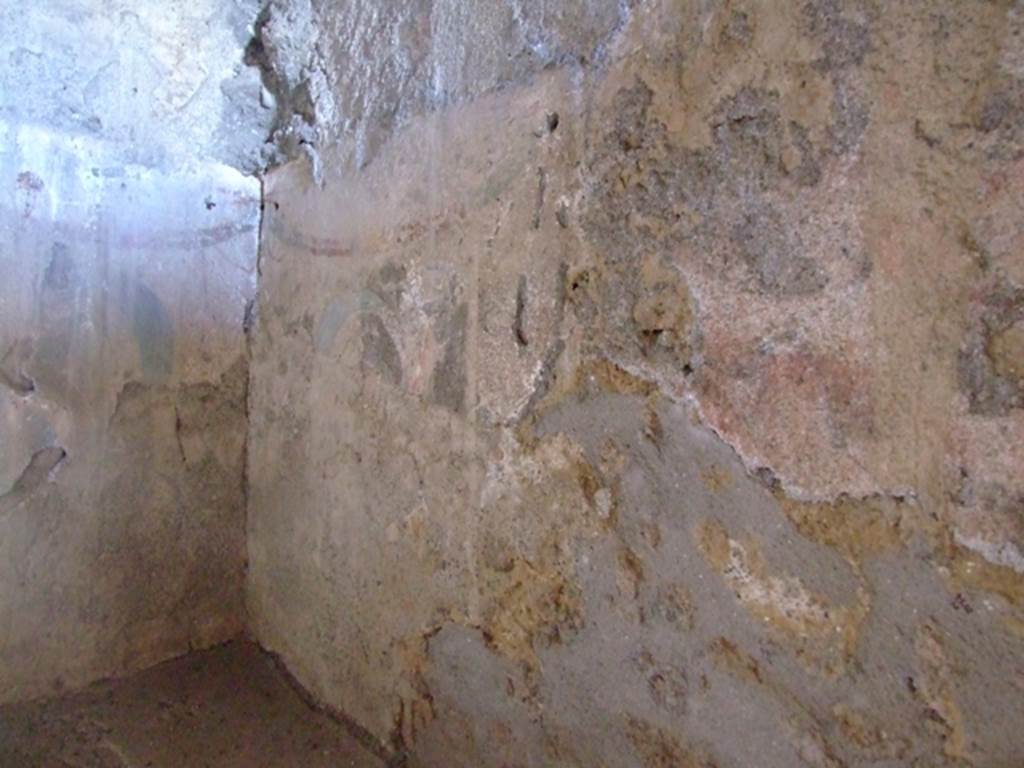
x: 128, y: 258
x: 640, y: 383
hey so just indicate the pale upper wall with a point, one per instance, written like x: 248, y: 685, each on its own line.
x: 163, y: 80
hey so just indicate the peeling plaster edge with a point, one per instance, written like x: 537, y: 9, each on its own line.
x: 49, y: 458
x: 1006, y: 555
x: 762, y: 471
x: 756, y: 466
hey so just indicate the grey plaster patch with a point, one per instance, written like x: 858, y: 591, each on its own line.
x: 448, y: 387
x: 991, y: 371
x: 379, y: 350
x: 338, y: 312
x: 154, y: 334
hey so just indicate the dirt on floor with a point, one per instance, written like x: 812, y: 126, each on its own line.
x: 230, y: 707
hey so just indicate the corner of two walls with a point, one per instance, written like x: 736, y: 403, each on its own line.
x: 659, y: 406
x: 646, y: 370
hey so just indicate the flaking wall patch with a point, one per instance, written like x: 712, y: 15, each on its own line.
x: 693, y: 407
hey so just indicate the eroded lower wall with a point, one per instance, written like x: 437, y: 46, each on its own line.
x: 662, y: 407
x: 123, y: 380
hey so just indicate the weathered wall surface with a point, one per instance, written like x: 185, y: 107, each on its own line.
x: 123, y: 360
x: 166, y: 81
x: 651, y: 393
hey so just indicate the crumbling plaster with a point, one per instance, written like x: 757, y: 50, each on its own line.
x: 648, y: 374
x: 629, y: 383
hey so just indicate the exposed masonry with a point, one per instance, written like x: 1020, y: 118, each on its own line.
x: 625, y: 408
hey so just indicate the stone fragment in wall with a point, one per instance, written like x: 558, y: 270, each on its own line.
x: 674, y: 604
x: 861, y: 730
x: 662, y: 311
x: 531, y: 608
x: 991, y: 359
x: 1006, y: 350
x: 856, y: 528
x: 415, y: 705
x: 970, y: 570
x: 606, y: 376
x: 823, y: 636
x: 629, y: 574
x: 629, y: 584
x: 727, y: 655
x: 868, y: 734
x: 658, y: 748
x: 935, y: 685
x: 717, y: 479
x: 988, y: 516
x: 667, y: 682
x: 812, y: 747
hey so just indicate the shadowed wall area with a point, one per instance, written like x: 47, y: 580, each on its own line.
x: 128, y: 257
x: 624, y: 383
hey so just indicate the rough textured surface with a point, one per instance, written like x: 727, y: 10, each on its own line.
x: 164, y: 80
x: 229, y: 708
x: 347, y: 74
x: 649, y: 378
x: 123, y: 359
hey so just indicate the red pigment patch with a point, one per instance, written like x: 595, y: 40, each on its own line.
x: 31, y: 186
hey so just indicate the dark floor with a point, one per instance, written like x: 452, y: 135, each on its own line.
x: 226, y: 708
